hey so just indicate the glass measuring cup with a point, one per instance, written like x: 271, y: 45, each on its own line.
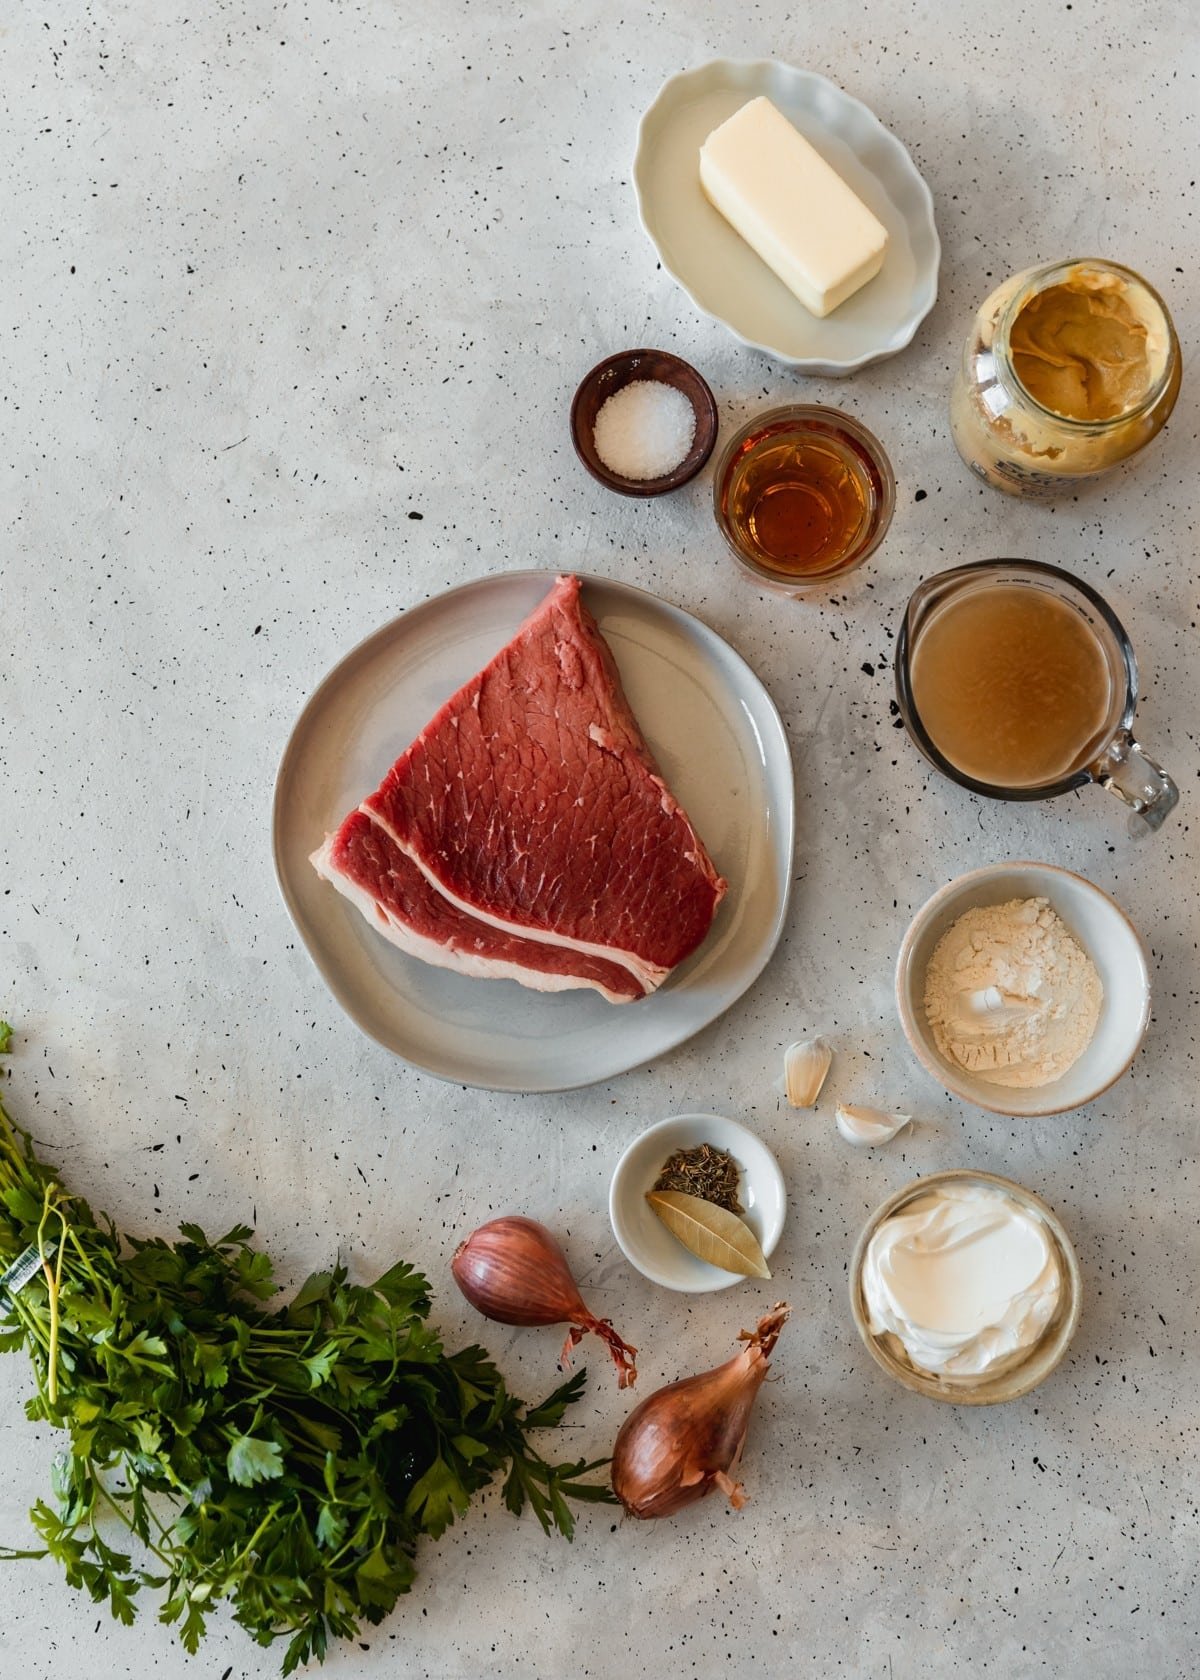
x: 1108, y: 754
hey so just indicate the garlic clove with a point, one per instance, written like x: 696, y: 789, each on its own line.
x: 804, y: 1068
x: 867, y: 1127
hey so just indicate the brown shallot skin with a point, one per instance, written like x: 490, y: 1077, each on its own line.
x: 686, y: 1439
x: 513, y: 1271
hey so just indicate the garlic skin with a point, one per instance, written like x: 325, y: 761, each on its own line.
x: 805, y: 1066
x: 865, y: 1127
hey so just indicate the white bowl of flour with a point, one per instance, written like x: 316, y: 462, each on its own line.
x: 1023, y: 988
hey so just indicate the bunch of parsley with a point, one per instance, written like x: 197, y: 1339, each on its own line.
x: 288, y: 1461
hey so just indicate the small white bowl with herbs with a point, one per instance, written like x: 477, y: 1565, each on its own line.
x: 675, y: 1162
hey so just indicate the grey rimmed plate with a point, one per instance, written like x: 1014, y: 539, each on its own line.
x: 721, y: 746
x: 726, y: 279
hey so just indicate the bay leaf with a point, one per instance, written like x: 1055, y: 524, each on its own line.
x: 710, y: 1232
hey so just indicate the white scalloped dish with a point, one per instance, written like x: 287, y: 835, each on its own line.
x: 724, y: 278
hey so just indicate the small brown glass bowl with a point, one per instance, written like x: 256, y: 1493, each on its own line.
x: 612, y: 375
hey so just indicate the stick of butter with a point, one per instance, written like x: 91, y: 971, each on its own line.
x: 791, y: 207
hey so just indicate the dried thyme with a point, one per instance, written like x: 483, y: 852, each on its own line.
x: 707, y: 1172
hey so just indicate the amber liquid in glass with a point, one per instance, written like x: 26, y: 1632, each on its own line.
x: 1013, y: 685
x: 800, y: 503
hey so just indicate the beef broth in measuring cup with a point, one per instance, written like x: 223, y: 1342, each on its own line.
x: 1017, y: 680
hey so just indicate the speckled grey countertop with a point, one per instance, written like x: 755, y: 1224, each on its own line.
x: 295, y: 297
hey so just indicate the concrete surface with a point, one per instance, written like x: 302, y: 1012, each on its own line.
x: 295, y: 296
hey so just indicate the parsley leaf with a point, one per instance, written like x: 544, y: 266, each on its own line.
x: 249, y: 1460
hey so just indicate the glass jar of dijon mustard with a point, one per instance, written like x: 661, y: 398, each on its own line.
x: 1068, y: 370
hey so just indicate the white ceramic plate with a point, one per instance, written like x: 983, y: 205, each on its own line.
x: 644, y: 1239
x: 721, y: 746
x: 719, y: 271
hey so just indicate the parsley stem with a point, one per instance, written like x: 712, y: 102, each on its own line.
x: 272, y: 1513
x: 53, y: 1285
x: 85, y: 1262
x: 31, y: 1320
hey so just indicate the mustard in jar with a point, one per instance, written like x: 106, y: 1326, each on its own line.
x: 1069, y: 370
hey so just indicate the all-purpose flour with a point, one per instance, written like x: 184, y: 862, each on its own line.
x: 1010, y: 995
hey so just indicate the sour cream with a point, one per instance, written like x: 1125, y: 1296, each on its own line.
x: 965, y: 1277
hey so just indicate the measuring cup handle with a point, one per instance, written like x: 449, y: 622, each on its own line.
x: 1130, y: 773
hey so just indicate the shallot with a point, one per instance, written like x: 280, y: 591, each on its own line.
x: 513, y: 1271
x: 686, y: 1439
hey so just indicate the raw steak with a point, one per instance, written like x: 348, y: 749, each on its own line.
x: 365, y: 864
x: 527, y: 832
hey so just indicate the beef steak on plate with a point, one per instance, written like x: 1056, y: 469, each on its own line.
x: 527, y: 833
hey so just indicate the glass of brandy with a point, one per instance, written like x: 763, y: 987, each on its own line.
x: 1018, y: 680
x: 803, y: 495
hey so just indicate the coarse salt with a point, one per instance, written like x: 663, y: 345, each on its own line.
x: 644, y: 430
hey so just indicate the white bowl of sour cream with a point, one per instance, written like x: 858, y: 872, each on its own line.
x: 1095, y: 923
x: 965, y: 1287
